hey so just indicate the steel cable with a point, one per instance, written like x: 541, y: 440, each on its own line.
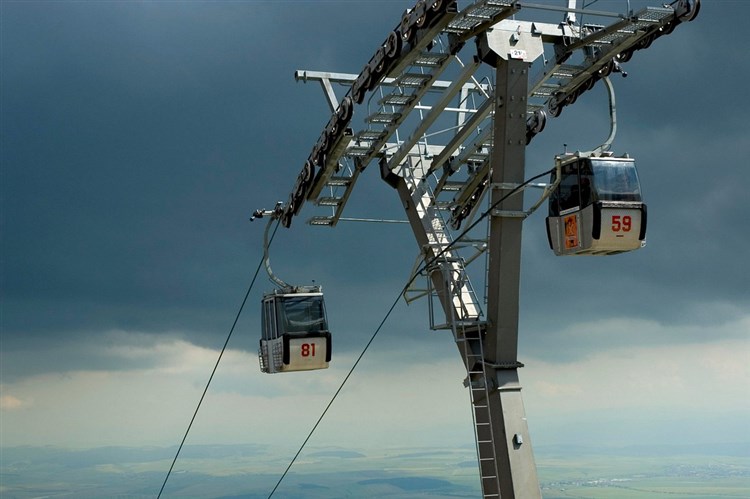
x: 231, y: 330
x: 390, y: 310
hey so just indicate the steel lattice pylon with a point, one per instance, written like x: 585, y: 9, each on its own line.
x: 446, y: 107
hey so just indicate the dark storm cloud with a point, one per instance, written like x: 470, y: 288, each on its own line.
x: 677, y: 117
x: 137, y: 140
x: 138, y: 137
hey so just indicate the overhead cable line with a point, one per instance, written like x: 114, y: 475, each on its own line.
x: 231, y: 330
x: 390, y: 310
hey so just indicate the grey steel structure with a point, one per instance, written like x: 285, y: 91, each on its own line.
x: 446, y: 107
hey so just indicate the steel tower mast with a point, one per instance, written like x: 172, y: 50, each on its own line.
x: 442, y: 173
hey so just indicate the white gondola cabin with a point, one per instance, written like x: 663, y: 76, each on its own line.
x: 596, y: 208
x: 295, y: 331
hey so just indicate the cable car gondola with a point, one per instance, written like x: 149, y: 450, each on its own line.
x: 596, y: 208
x: 295, y: 331
x: 295, y: 335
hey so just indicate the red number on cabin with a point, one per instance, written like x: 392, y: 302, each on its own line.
x: 624, y: 223
x: 307, y: 349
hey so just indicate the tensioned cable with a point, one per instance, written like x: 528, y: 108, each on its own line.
x: 231, y: 330
x: 390, y: 310
x: 309, y: 435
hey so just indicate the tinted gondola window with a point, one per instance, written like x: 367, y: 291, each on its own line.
x: 586, y: 175
x: 303, y: 314
x: 569, y: 195
x: 554, y: 198
x: 268, y: 321
x: 616, y: 181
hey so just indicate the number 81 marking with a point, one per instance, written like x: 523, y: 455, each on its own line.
x: 622, y: 223
x: 308, y: 350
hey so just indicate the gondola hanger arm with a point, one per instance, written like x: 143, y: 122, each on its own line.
x: 273, y: 215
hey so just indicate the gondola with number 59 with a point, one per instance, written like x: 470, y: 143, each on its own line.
x: 597, y: 207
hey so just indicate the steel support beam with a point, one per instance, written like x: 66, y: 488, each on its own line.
x: 515, y: 459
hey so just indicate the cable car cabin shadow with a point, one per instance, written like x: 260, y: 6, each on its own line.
x: 597, y: 207
x: 295, y: 331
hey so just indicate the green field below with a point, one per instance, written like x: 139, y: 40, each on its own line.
x: 248, y: 472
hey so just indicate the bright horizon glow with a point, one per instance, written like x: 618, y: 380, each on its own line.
x: 386, y: 395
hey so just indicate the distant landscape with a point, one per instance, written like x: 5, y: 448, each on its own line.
x: 249, y: 472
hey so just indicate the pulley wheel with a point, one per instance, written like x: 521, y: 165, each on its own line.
x: 380, y: 66
x: 535, y: 124
x: 286, y: 218
x: 344, y: 112
x: 392, y: 45
x: 333, y: 129
x: 366, y: 76
x: 298, y: 198
x: 554, y: 108
x: 307, y: 171
x: 358, y: 93
x: 589, y: 84
x: 315, y: 154
x: 668, y: 28
x: 421, y: 10
x: 571, y: 98
x: 695, y: 7
x: 406, y: 31
x: 607, y: 69
x: 540, y: 120
x: 646, y: 42
x: 624, y: 56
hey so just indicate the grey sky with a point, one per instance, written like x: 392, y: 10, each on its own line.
x: 137, y: 138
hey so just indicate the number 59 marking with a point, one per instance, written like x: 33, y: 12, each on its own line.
x: 622, y: 223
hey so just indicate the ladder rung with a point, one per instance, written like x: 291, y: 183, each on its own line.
x: 453, y: 186
x: 320, y: 221
x: 369, y: 135
x: 397, y: 99
x: 358, y: 151
x: 329, y: 201
x: 338, y: 181
x: 567, y: 71
x: 387, y: 118
x: 413, y: 79
x: 427, y: 59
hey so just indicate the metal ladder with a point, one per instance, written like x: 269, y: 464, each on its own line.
x: 482, y: 415
x: 464, y: 303
x: 468, y: 338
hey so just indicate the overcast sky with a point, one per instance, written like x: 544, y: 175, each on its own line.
x: 137, y: 139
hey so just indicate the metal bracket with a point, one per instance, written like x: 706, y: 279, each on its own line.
x: 505, y: 365
x: 509, y: 214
